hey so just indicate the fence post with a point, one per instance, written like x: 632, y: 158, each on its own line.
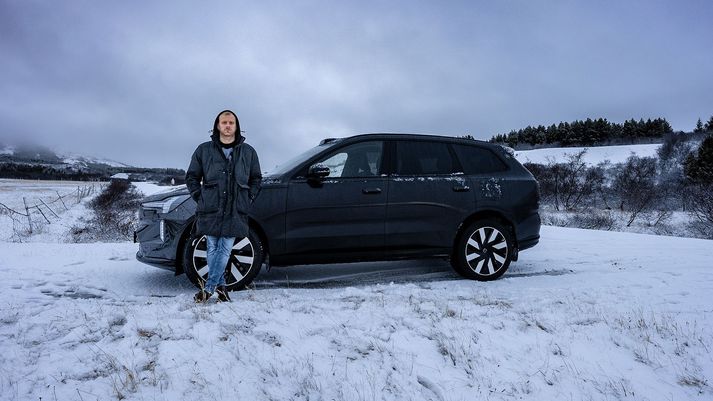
x: 29, y: 220
x: 43, y: 214
x: 61, y: 200
x: 47, y: 206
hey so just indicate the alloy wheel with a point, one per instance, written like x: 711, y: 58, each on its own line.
x: 486, y: 251
x: 242, y: 257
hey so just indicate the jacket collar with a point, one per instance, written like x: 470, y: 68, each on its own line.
x: 216, y: 140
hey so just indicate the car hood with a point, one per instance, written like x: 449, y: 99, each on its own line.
x: 267, y: 181
x: 166, y: 194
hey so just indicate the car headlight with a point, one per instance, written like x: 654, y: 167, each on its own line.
x: 166, y: 205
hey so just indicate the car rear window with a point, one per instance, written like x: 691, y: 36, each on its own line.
x: 423, y: 158
x: 478, y: 160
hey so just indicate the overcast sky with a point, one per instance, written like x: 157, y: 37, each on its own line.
x: 141, y: 82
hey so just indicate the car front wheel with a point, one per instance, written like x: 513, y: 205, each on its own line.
x: 483, y: 250
x: 245, y: 260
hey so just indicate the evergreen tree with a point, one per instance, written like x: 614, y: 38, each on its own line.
x: 699, y: 126
x: 640, y: 128
x: 629, y: 129
x: 551, y: 134
x: 666, y: 127
x: 709, y: 125
x: 588, y: 132
x: 540, y: 134
x: 699, y: 168
x: 512, y: 139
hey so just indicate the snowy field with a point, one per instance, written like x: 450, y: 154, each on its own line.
x: 585, y: 315
x: 595, y: 154
x: 56, y: 217
x: 12, y: 191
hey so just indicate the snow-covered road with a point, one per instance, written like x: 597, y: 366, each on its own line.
x: 584, y: 315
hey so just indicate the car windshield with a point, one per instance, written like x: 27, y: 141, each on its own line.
x: 295, y: 161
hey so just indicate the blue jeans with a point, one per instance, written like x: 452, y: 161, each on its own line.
x: 217, y: 255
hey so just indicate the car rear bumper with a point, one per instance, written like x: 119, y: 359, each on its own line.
x: 528, y: 243
x: 528, y: 232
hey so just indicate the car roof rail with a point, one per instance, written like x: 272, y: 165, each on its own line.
x: 328, y: 140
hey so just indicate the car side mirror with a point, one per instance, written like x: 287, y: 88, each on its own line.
x: 318, y: 172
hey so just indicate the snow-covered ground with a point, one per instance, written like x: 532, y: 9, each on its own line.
x: 12, y: 191
x: 594, y: 155
x: 61, y: 214
x: 585, y: 315
x: 75, y: 159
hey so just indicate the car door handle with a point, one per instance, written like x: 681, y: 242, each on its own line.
x: 369, y: 191
x: 461, y: 188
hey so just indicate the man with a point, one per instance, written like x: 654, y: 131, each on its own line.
x: 224, y: 179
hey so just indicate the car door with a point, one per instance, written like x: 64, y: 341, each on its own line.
x: 487, y: 174
x: 343, y: 212
x: 428, y: 196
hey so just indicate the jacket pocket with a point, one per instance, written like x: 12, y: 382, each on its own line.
x: 243, y: 200
x: 210, y: 198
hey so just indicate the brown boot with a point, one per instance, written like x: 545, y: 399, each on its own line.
x: 202, y: 296
x: 222, y: 294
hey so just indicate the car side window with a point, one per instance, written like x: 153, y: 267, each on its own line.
x: 424, y: 158
x: 478, y: 160
x: 356, y: 160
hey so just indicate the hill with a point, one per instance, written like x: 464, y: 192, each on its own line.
x: 593, y: 156
x: 31, y: 161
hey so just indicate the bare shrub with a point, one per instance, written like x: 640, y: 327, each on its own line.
x: 115, y: 214
x: 635, y: 183
x: 594, y: 220
x: 568, y: 185
x: 700, y: 203
x: 553, y: 219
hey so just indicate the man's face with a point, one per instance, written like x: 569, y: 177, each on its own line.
x: 226, y: 125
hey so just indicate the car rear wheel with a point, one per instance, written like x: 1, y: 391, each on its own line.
x: 483, y: 251
x: 246, y: 258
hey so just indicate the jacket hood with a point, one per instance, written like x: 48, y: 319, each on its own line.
x: 215, y: 135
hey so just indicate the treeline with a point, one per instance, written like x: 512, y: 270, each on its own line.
x: 586, y: 133
x: 99, y: 172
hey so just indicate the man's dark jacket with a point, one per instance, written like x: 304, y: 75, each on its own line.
x: 224, y: 188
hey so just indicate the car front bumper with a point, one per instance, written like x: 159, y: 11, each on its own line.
x: 168, y: 264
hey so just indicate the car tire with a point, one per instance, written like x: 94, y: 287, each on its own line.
x: 244, y: 264
x: 483, y: 250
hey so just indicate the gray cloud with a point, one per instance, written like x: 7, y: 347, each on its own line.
x: 141, y: 82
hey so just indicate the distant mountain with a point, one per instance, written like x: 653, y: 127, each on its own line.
x: 30, y: 161
x: 37, y: 154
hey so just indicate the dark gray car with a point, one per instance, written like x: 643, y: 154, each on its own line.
x: 364, y: 198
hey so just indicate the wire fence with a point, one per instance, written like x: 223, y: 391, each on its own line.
x: 46, y: 209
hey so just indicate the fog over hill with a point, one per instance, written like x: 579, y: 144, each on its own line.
x: 33, y: 161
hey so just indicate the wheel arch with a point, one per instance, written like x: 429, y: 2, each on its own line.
x: 185, y: 235
x: 260, y: 233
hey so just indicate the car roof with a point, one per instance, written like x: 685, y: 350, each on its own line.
x: 396, y: 135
